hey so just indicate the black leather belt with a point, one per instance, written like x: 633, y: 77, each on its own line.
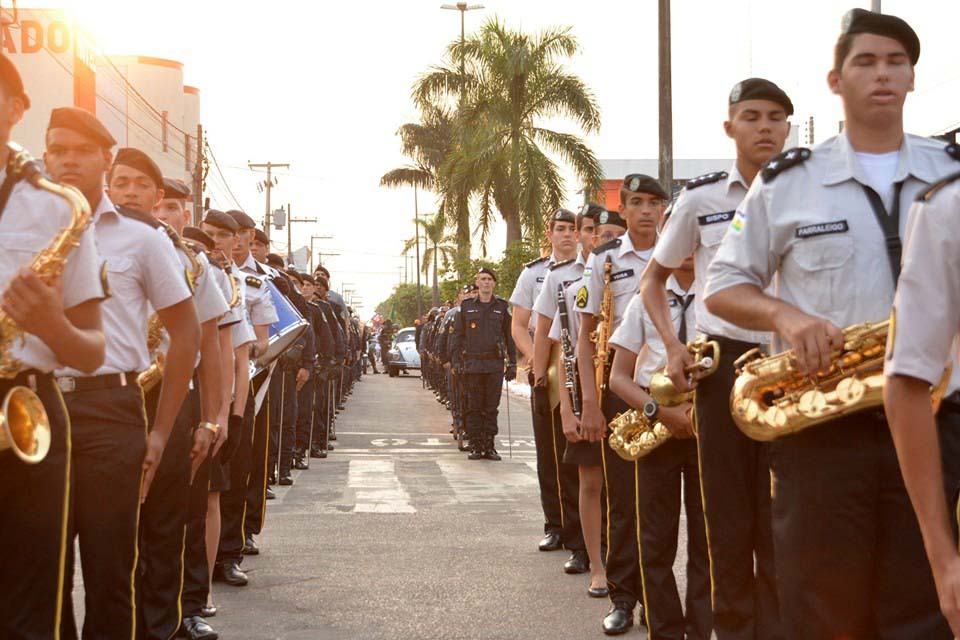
x: 729, y: 345
x: 28, y: 378
x: 69, y: 384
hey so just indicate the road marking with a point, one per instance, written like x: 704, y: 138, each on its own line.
x: 474, y: 482
x: 388, y: 442
x: 377, y: 488
x: 532, y: 464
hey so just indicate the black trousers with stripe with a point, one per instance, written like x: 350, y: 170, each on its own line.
x: 255, y: 500
x: 163, y: 519
x: 196, y: 584
x: 34, y: 499
x: 544, y: 441
x: 109, y: 429
x: 568, y: 484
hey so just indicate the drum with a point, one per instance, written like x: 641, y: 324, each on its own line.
x: 283, y: 333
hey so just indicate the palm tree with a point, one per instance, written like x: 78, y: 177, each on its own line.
x: 512, y: 81
x: 440, y: 248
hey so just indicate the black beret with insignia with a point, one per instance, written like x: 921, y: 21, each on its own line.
x: 882, y: 24
x: 611, y: 217
x: 243, y: 220
x: 261, y: 236
x: 82, y: 122
x: 221, y: 220
x: 489, y: 272
x: 563, y: 215
x: 536, y: 261
x: 175, y: 189
x: 138, y: 160
x: 12, y: 82
x: 778, y: 164
x: 707, y: 178
x: 199, y: 235
x: 760, y: 89
x: 591, y: 210
x: 641, y: 183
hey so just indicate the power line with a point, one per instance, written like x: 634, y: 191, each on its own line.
x: 220, y: 173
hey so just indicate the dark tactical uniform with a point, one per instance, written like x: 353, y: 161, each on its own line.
x: 479, y: 343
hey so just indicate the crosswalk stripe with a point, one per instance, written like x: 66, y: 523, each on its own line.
x: 377, y: 488
x: 478, y: 482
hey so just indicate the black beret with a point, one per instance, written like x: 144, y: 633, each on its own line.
x: 83, y: 122
x: 199, y: 235
x: 261, y: 236
x: 591, y: 210
x: 760, y: 89
x: 882, y: 24
x: 175, y: 189
x: 489, y: 272
x: 136, y: 159
x: 221, y: 220
x: 12, y: 83
x: 562, y: 215
x: 610, y: 217
x: 243, y: 220
x: 640, y: 183
x: 275, y: 261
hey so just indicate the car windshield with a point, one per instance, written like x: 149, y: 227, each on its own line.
x: 406, y: 336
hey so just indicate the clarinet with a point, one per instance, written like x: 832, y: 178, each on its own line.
x: 567, y: 354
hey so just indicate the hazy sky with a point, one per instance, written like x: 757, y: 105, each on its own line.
x: 324, y: 86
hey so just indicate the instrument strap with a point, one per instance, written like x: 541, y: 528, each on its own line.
x: 890, y: 225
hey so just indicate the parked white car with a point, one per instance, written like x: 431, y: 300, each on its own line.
x: 403, y: 354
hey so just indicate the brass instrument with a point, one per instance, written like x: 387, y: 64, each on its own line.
x: 223, y: 264
x: 24, y: 421
x: 632, y: 434
x: 770, y: 399
x: 601, y: 335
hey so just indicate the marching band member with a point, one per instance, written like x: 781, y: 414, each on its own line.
x: 826, y: 224
x: 642, y: 202
x: 734, y: 469
x: 61, y: 327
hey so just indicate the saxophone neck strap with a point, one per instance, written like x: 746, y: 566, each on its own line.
x: 890, y: 225
x: 11, y: 179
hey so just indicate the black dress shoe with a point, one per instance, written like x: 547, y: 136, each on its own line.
x: 598, y: 592
x: 579, y: 562
x: 286, y: 479
x: 250, y: 547
x: 301, y: 462
x: 230, y: 573
x: 271, y: 479
x: 550, y: 542
x: 270, y: 494
x: 618, y: 620
x: 491, y: 454
x: 475, y: 454
x: 318, y: 453
x: 208, y: 611
x: 196, y: 628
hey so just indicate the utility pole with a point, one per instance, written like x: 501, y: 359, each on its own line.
x: 666, y: 100
x: 199, y: 172
x: 267, y: 184
x: 875, y: 6
x: 290, y: 221
x: 312, y: 238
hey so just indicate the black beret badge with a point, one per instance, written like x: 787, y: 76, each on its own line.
x: 582, y: 296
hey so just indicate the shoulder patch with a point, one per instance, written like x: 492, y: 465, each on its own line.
x: 561, y: 264
x: 953, y: 150
x: 536, y: 262
x: 606, y: 246
x: 133, y: 214
x: 926, y: 196
x: 707, y: 178
x: 254, y: 282
x: 778, y: 164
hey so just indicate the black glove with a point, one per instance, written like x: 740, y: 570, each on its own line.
x: 511, y: 373
x: 234, y: 435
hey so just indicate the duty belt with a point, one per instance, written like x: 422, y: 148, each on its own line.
x: 69, y: 384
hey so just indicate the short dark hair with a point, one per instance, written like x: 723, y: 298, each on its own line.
x: 842, y: 49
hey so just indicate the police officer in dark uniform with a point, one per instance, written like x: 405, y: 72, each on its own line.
x: 308, y: 396
x: 480, y: 341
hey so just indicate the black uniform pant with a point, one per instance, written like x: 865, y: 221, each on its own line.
x: 568, y: 485
x: 305, y: 411
x: 34, y: 499
x: 256, y: 496
x: 109, y: 430
x: 620, y: 482
x: 547, y: 467
x: 163, y: 518
x: 735, y: 479
x: 850, y: 558
x: 196, y: 584
x: 283, y: 424
x: 666, y: 477
x: 321, y: 413
x: 482, y: 393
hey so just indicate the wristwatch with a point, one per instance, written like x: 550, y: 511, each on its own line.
x: 210, y: 426
x: 650, y: 409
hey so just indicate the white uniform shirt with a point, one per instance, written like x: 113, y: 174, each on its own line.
x: 260, y: 309
x: 812, y: 233
x: 699, y: 218
x: 638, y: 334
x: 927, y: 304
x: 242, y: 332
x: 30, y: 222
x: 559, y: 273
x: 232, y: 315
x: 627, y: 265
x: 143, y: 271
x: 529, y: 284
x: 573, y: 318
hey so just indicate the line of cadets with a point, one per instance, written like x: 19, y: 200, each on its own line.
x: 811, y: 536
x: 164, y: 490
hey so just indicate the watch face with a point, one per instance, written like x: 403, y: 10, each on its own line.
x: 650, y: 408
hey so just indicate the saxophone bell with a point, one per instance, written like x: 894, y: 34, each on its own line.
x: 24, y: 425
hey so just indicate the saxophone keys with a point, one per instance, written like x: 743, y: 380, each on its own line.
x: 813, y: 403
x: 851, y: 390
x: 775, y: 417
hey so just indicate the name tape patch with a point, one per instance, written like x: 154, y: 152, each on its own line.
x: 621, y: 275
x: 713, y: 218
x: 822, y: 229
x: 540, y: 279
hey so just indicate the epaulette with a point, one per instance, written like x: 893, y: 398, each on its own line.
x: 254, y: 282
x: 139, y: 216
x: 707, y: 178
x: 503, y: 300
x: 557, y: 265
x: 953, y: 150
x: 778, y: 164
x: 535, y: 262
x: 926, y: 196
x: 613, y: 244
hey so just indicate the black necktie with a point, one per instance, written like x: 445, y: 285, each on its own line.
x: 684, y: 303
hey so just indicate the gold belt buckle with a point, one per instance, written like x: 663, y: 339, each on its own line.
x: 67, y: 384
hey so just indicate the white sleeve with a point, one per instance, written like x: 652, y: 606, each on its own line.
x: 164, y: 275
x: 522, y: 295
x: 82, y: 278
x: 630, y: 334
x: 680, y: 236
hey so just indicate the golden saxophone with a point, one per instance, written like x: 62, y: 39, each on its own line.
x: 601, y: 335
x: 24, y: 424
x: 632, y: 434
x: 770, y: 399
